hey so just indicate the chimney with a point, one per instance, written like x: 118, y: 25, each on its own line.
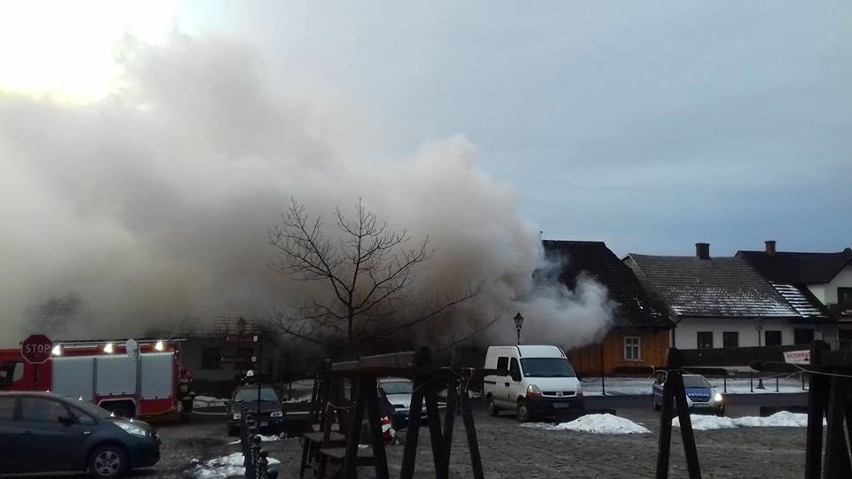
x: 770, y: 248
x: 702, y: 250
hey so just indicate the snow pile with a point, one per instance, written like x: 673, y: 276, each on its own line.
x: 595, y: 423
x: 779, y: 419
x: 207, y: 401
x: 262, y: 439
x: 222, y: 467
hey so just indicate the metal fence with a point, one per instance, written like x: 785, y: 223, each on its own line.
x: 255, y: 459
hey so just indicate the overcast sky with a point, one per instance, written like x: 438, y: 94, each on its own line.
x: 648, y: 125
x: 147, y: 145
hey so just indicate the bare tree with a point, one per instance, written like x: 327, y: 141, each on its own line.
x: 366, y: 273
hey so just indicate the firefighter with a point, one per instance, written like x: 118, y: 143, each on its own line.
x: 187, y: 396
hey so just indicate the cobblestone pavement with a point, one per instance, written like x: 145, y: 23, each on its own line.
x: 510, y: 451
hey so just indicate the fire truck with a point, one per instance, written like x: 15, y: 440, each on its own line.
x: 145, y: 383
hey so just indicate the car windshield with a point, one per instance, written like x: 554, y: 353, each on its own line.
x: 250, y: 394
x: 695, y: 382
x: 396, y: 387
x: 93, y: 410
x: 547, y: 368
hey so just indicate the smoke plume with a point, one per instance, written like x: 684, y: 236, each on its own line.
x: 152, y: 205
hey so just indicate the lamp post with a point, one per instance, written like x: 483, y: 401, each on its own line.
x: 758, y: 324
x: 519, y: 323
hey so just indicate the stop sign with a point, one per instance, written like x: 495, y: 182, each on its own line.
x: 37, y: 348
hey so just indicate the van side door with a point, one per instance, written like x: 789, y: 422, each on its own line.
x: 515, y: 387
x: 501, y: 388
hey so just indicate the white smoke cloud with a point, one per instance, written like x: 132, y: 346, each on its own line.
x: 153, y: 204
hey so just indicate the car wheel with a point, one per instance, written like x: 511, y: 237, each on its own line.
x: 492, y: 408
x: 523, y: 411
x: 107, y: 462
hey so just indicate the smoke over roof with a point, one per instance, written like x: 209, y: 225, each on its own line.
x: 153, y: 204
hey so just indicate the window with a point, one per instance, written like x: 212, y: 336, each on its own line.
x: 503, y: 362
x: 772, y: 338
x: 803, y: 336
x: 844, y: 298
x: 7, y: 408
x: 632, y: 348
x: 82, y: 417
x: 705, y: 339
x: 11, y: 372
x: 513, y: 367
x: 211, y: 358
x: 730, y: 339
x: 36, y: 409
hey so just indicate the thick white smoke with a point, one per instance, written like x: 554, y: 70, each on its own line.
x: 153, y: 204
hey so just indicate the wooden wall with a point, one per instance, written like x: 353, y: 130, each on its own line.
x: 603, y: 358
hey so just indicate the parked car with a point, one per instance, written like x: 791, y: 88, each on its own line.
x: 44, y: 432
x: 700, y: 395
x: 270, y: 408
x: 540, y: 381
x: 398, y: 392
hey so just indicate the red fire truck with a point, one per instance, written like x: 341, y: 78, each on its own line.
x: 145, y: 383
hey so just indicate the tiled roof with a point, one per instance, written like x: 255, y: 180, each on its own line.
x: 210, y: 326
x: 798, y: 268
x: 717, y: 287
x: 595, y: 259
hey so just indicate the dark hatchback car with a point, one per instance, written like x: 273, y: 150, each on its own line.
x: 271, y: 417
x: 43, y: 432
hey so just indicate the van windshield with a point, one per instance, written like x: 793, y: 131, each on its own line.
x: 547, y: 368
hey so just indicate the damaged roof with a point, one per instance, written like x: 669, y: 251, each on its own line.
x: 573, y: 258
x: 715, y: 287
x: 798, y: 268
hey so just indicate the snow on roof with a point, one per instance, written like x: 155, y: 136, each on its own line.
x: 798, y: 300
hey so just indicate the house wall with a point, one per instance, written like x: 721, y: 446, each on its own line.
x: 605, y: 357
x: 842, y: 280
x: 192, y: 351
x: 686, y: 332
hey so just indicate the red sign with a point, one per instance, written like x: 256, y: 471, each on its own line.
x: 36, y: 349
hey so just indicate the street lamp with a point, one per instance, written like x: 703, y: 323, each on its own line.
x: 519, y: 323
x: 758, y: 324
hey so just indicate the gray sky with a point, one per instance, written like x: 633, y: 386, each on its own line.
x: 649, y: 125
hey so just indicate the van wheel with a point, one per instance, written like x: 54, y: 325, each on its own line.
x: 523, y: 411
x: 492, y: 409
x: 107, y: 462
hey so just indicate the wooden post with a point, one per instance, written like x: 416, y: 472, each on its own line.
x: 376, y: 437
x: 686, y: 433
x: 664, y: 445
x: 817, y: 396
x: 353, y: 432
x: 472, y: 442
x: 449, y: 419
x: 837, y: 462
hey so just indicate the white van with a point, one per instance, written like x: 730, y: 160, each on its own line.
x: 540, y: 381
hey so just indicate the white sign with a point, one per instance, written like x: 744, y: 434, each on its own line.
x: 797, y: 357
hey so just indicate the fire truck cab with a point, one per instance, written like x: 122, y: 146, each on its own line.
x: 102, y: 372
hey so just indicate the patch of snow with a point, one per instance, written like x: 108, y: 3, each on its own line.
x: 222, y: 467
x: 594, y: 423
x: 299, y: 399
x: 207, y: 401
x: 262, y: 439
x: 779, y: 419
